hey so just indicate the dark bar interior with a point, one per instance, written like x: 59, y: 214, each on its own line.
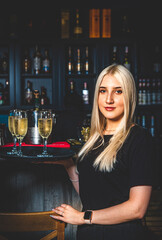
x: 50, y: 58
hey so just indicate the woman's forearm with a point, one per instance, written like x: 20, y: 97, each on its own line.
x: 132, y: 209
x: 73, y: 175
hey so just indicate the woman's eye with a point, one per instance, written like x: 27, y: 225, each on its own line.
x: 118, y: 91
x: 102, y: 91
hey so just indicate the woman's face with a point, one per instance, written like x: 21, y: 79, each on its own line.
x: 110, y: 99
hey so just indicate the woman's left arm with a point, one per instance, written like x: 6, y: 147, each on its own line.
x: 134, y: 208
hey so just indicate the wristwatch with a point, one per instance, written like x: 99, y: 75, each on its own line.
x: 88, y: 216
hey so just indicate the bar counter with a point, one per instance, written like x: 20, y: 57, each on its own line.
x: 30, y: 186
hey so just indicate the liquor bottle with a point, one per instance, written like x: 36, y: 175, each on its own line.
x: 78, y: 62
x: 138, y: 119
x: 36, y: 100
x: 114, y: 58
x: 154, y: 91
x: 152, y: 125
x: 144, y: 96
x: 140, y: 91
x: 78, y: 30
x: 70, y: 62
x: 125, y: 28
x: 106, y: 23
x: 127, y: 63
x: 143, y: 121
x: 65, y: 24
x: 72, y: 98
x: 44, y: 100
x: 159, y: 91
x: 6, y: 93
x: 37, y: 61
x: 157, y: 60
x: 1, y: 94
x: 46, y: 62
x: 28, y: 93
x: 26, y: 62
x: 94, y: 23
x: 85, y: 94
x: 87, y: 62
x: 148, y: 91
x: 4, y: 63
x: 69, y: 97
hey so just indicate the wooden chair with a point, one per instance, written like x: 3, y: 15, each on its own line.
x: 32, y: 222
x: 153, y: 218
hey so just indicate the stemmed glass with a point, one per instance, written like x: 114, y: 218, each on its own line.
x: 11, y: 129
x: 45, y: 129
x: 20, y: 127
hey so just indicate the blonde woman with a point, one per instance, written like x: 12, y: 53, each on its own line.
x: 114, y: 175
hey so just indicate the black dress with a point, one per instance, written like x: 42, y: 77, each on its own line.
x: 99, y: 190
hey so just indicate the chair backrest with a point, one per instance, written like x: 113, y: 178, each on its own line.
x: 32, y: 222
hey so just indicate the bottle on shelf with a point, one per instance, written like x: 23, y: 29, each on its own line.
x: 85, y: 94
x: 4, y: 63
x: 125, y: 28
x: 144, y: 95
x: 106, y: 23
x: 6, y: 93
x: 127, y: 63
x: 148, y: 91
x: 78, y: 30
x: 94, y: 23
x: 152, y: 126
x: 138, y: 119
x: 143, y: 121
x: 36, y: 100
x: 29, y: 94
x: 153, y: 91
x: 78, y: 63
x: 1, y: 94
x: 65, y: 23
x: 159, y: 91
x: 87, y: 62
x: 140, y: 101
x: 46, y: 62
x: 70, y: 62
x: 44, y: 100
x: 156, y: 60
x: 72, y: 98
x: 114, y: 58
x: 26, y: 62
x: 37, y: 61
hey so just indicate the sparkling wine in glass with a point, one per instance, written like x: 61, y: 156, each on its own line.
x: 20, y: 127
x: 11, y: 129
x: 45, y: 129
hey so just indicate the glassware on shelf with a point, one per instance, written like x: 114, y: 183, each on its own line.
x: 20, y: 126
x: 45, y: 123
x: 11, y: 129
x: 84, y: 130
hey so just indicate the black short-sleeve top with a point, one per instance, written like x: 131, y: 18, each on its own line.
x: 134, y: 167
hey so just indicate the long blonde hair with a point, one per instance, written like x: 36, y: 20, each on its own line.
x: 106, y: 159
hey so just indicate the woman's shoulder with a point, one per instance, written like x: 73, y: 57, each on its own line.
x: 138, y: 134
x: 138, y: 130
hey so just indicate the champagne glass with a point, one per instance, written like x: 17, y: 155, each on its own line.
x: 45, y: 129
x: 20, y: 127
x: 11, y: 129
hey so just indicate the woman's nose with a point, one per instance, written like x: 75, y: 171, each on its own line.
x: 109, y: 98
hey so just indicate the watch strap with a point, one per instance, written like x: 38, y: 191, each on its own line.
x: 88, y: 216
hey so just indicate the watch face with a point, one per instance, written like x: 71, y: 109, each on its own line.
x: 87, y: 215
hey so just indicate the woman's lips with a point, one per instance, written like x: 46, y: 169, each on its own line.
x: 109, y: 108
